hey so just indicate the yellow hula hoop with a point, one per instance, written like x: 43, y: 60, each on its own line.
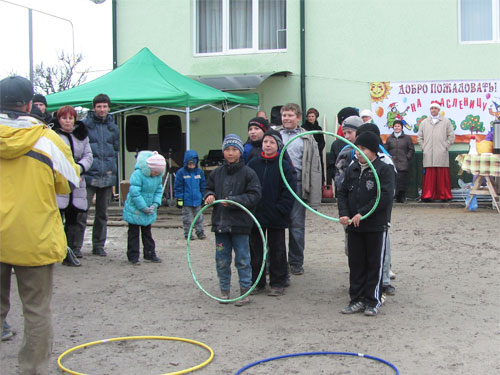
x: 139, y: 338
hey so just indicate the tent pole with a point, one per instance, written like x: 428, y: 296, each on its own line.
x: 223, y: 122
x: 188, y: 130
x: 122, y: 123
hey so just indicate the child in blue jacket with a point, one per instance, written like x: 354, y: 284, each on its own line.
x: 143, y: 199
x: 189, y: 187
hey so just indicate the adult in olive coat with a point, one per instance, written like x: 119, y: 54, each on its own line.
x: 401, y: 148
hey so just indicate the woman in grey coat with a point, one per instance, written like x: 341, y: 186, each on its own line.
x: 74, y: 134
x: 401, y: 148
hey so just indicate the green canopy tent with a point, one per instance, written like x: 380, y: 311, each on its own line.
x: 144, y: 81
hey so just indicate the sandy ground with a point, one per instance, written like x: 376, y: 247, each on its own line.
x: 444, y: 318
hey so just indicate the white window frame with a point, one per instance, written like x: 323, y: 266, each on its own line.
x: 495, y: 21
x: 225, y: 33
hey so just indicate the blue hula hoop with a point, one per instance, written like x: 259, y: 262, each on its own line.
x: 396, y: 371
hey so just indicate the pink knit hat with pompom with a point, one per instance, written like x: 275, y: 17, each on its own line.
x: 156, y: 162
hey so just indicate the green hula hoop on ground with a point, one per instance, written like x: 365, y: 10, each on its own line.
x: 139, y: 338
x: 350, y: 144
x: 264, y: 246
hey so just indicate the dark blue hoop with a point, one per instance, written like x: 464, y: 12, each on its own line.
x: 396, y: 371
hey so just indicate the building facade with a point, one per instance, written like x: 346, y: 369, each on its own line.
x: 318, y: 53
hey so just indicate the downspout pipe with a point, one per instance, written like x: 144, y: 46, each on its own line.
x: 115, y: 49
x: 302, y: 56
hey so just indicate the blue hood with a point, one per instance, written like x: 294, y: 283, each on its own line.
x: 141, y: 162
x: 190, y: 155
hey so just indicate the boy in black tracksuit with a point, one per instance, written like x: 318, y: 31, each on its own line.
x: 366, y: 238
x: 273, y: 213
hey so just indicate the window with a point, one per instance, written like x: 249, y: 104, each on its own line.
x: 479, y: 20
x: 240, y: 26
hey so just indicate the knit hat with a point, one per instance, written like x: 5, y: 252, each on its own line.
x: 352, y: 122
x: 435, y: 104
x: 37, y: 98
x: 15, y: 91
x: 369, y: 140
x: 369, y: 127
x: 156, y: 162
x: 345, y: 113
x: 232, y: 140
x: 312, y: 110
x: 277, y: 137
x: 260, y: 122
x: 366, y: 112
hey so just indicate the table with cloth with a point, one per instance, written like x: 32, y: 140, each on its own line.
x: 483, y: 166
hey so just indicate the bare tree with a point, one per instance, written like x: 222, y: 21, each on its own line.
x: 60, y: 77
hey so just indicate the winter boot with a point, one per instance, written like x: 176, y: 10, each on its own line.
x: 224, y: 295
x: 244, y: 301
x: 151, y: 257
x: 71, y: 259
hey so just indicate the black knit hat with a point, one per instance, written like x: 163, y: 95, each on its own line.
x: 345, y: 113
x: 368, y: 140
x: 38, y: 98
x: 276, y: 135
x: 260, y: 122
x: 15, y: 91
x: 369, y: 127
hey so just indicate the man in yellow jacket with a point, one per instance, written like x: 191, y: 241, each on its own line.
x: 35, y: 165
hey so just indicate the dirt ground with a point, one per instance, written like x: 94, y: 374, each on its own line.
x: 444, y: 318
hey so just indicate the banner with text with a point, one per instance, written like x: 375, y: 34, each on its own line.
x: 471, y: 106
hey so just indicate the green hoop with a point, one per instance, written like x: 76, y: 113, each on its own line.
x: 350, y: 144
x: 264, y: 247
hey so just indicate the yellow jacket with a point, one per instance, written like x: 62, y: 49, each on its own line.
x: 35, y: 165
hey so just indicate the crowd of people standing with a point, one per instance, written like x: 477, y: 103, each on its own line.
x: 72, y: 162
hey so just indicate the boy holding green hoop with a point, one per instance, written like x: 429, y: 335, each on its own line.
x: 273, y: 213
x: 366, y: 238
x: 236, y: 182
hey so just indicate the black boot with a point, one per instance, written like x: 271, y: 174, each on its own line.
x: 403, y: 197
x: 71, y: 259
x: 400, y: 197
x: 151, y: 257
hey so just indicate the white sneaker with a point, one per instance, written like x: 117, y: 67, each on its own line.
x: 392, y: 275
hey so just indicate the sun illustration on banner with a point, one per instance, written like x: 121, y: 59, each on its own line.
x: 379, y: 91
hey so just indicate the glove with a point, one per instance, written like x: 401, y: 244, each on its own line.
x: 149, y: 210
x: 180, y: 203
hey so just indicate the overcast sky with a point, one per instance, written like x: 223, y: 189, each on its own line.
x: 92, y: 26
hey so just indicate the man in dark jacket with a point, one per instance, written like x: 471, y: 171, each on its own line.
x: 40, y: 102
x: 104, y: 140
x: 366, y: 238
x: 236, y: 182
